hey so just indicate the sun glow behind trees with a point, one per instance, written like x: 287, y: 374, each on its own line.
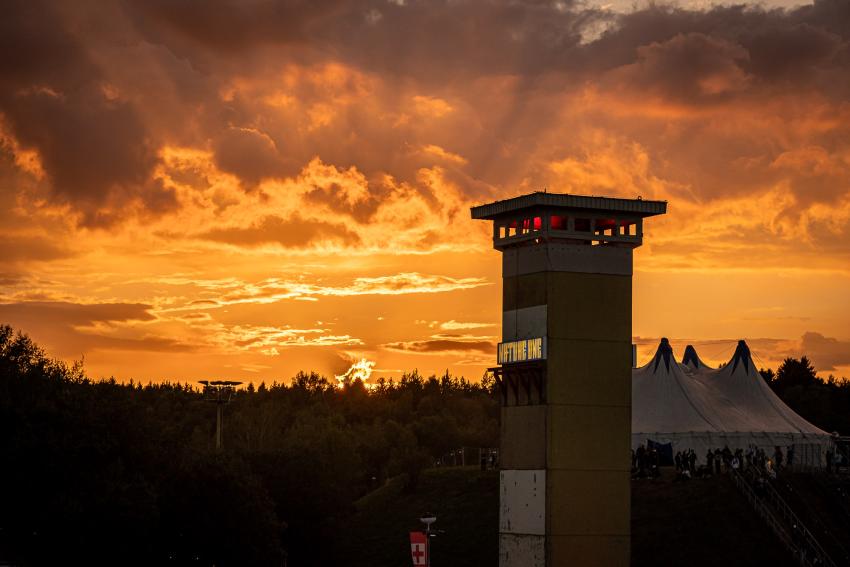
x: 361, y: 369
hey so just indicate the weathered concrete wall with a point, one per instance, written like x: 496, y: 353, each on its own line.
x: 522, y: 550
x: 522, y: 502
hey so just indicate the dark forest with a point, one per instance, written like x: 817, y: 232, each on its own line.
x: 108, y: 473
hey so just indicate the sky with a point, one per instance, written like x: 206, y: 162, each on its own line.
x: 247, y: 188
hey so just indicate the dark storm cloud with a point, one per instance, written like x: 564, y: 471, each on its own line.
x: 228, y: 26
x: 289, y: 233
x: 792, y: 51
x: 440, y: 40
x: 419, y: 37
x: 469, y: 39
x: 680, y: 52
x: 249, y: 154
x: 37, y: 45
x: 98, y: 91
x: 832, y: 15
x: 694, y: 68
x: 93, y: 149
x: 658, y: 23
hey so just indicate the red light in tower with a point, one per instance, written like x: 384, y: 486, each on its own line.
x: 558, y: 222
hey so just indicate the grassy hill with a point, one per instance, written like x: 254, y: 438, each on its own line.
x: 697, y: 523
x: 465, y: 501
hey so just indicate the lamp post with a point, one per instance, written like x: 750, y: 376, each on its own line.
x: 219, y: 392
x: 428, y: 519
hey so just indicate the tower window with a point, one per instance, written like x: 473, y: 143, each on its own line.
x: 557, y: 222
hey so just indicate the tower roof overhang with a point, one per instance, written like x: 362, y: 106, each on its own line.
x: 633, y: 207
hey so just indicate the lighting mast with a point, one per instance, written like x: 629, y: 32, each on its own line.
x: 219, y: 392
x: 428, y: 519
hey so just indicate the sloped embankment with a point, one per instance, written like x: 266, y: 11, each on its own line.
x: 700, y: 523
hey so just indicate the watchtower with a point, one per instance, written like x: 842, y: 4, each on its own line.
x: 565, y: 376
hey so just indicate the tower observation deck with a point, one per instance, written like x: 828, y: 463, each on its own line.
x: 565, y: 375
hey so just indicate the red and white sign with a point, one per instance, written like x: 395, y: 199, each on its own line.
x: 419, y: 548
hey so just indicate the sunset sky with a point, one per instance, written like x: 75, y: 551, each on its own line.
x: 246, y: 188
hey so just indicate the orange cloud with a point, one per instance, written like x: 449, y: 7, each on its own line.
x: 274, y: 290
x: 442, y: 344
x: 299, y: 182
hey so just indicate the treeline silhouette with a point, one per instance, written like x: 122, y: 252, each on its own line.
x: 823, y: 402
x: 99, y: 472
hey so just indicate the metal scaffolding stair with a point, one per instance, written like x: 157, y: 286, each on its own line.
x: 770, y: 506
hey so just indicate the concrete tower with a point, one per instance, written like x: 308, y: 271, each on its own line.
x: 565, y: 376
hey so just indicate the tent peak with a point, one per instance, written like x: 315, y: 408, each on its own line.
x: 665, y: 352
x: 742, y: 355
x: 691, y: 357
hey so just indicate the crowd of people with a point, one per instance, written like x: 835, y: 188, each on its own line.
x: 758, y: 469
x: 647, y: 459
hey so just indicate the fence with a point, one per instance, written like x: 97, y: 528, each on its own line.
x: 470, y: 456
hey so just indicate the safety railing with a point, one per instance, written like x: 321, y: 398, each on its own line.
x: 809, y: 543
x: 802, y: 505
x: 784, y: 522
x: 762, y: 509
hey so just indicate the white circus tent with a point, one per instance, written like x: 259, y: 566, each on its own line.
x: 692, y: 362
x: 693, y: 406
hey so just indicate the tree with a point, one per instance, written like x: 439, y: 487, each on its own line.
x: 100, y: 472
x: 794, y: 373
